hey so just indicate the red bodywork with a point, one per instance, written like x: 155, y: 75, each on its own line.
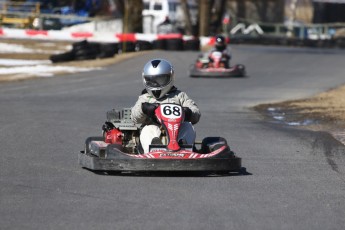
x: 119, y: 150
x: 180, y: 154
x: 216, y: 65
x: 217, y: 60
x: 113, y: 136
x: 171, y: 123
x: 170, y: 116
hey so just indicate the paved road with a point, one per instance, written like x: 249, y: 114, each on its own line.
x: 295, y: 178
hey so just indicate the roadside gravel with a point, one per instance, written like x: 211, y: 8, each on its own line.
x: 322, y: 112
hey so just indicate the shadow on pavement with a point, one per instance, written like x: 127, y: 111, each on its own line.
x: 243, y: 172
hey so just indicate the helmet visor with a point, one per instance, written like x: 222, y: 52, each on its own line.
x: 157, y: 81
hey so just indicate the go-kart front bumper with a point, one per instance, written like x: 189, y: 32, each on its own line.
x: 111, y: 158
x: 95, y: 163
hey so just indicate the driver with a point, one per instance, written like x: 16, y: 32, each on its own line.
x: 220, y: 46
x: 158, y: 79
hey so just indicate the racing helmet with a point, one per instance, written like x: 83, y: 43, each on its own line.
x: 220, y: 43
x: 158, y: 77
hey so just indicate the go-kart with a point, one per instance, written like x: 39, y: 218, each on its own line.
x: 215, y: 65
x: 119, y: 148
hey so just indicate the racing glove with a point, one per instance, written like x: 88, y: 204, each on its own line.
x: 149, y: 109
x: 187, y: 114
x: 107, y: 126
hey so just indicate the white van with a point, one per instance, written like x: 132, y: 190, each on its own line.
x: 157, y: 11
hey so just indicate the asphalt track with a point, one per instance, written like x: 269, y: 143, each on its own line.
x: 295, y: 179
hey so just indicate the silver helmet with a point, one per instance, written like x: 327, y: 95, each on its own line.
x: 158, y: 77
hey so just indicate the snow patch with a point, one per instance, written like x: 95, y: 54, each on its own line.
x: 40, y: 68
x: 15, y: 48
x: 20, y: 62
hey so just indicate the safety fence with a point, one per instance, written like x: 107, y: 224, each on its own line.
x: 86, y: 50
x: 329, y: 35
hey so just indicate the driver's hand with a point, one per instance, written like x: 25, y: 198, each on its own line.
x: 107, y: 126
x: 187, y: 114
x: 149, y: 109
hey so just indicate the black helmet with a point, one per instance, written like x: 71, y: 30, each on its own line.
x: 220, y: 43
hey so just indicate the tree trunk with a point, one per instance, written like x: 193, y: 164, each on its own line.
x: 132, y: 17
x: 261, y: 7
x: 293, y: 7
x: 217, y: 15
x: 186, y: 17
x: 241, y: 9
x: 204, y: 17
x: 279, y: 17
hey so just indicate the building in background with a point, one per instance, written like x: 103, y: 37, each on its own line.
x: 167, y: 15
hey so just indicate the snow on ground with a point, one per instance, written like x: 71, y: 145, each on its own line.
x: 42, y: 70
x: 19, y: 62
x: 29, y: 67
x: 18, y: 48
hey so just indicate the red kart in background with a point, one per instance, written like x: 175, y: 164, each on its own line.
x: 120, y: 149
x: 216, y: 65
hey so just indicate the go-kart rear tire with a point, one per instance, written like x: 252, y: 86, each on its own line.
x: 242, y: 70
x: 210, y: 144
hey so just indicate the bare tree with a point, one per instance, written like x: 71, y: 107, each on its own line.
x: 204, y: 17
x: 266, y: 14
x: 185, y: 8
x: 262, y: 7
x: 280, y: 5
x: 241, y: 9
x: 293, y: 7
x: 217, y: 13
x: 132, y: 15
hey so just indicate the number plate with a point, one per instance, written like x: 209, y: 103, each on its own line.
x: 171, y: 111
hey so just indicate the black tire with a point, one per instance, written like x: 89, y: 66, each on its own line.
x: 143, y: 45
x: 86, y: 52
x: 95, y: 46
x: 268, y: 40
x: 310, y: 43
x: 193, y: 76
x: 234, y: 40
x: 126, y: 47
x: 340, y: 43
x: 85, y: 57
x: 159, y: 44
x: 242, y: 70
x: 191, y: 71
x: 174, y: 44
x: 329, y: 43
x: 210, y: 144
x: 105, y: 55
x: 193, y: 44
x: 80, y: 45
x: 64, y: 57
x: 108, y: 50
